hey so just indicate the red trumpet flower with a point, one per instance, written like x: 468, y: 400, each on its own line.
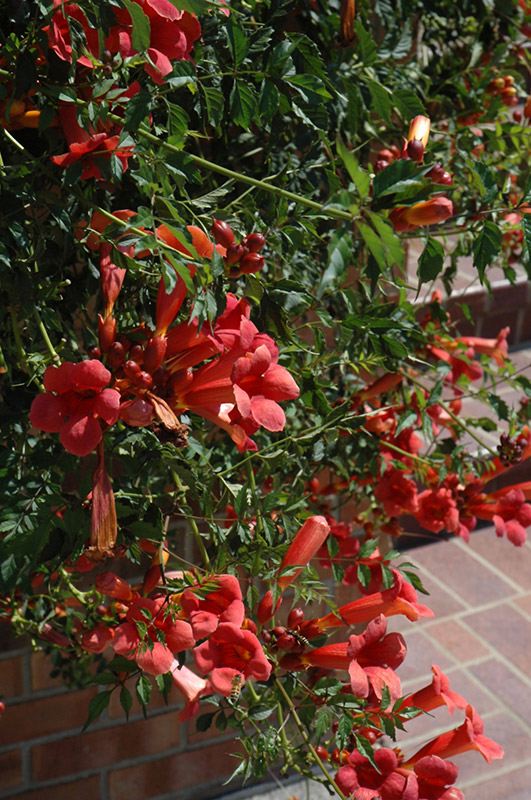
x: 427, y: 212
x: 74, y: 403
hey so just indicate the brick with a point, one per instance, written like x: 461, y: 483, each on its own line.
x: 8, y: 639
x: 471, y: 581
x: 507, y: 298
x: 513, y: 562
x: 10, y: 769
x: 82, y: 789
x: 513, y: 692
x: 492, y: 323
x: 515, y: 739
x: 115, y: 710
x: 23, y: 721
x: 513, y: 785
x: 422, y: 652
x: 524, y: 604
x: 175, y: 774
x: 41, y: 666
x: 11, y: 677
x: 456, y: 640
x: 508, y: 631
x: 100, y: 748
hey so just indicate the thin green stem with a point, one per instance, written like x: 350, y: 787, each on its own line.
x: 47, y: 341
x: 337, y: 213
x: 21, y: 353
x: 303, y: 732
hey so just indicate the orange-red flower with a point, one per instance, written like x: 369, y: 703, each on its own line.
x: 427, y: 212
x: 74, y: 403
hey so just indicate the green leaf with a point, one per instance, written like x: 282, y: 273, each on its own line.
x: 381, y: 101
x: 366, y: 46
x: 204, y: 721
x: 487, y: 246
x: 360, y: 177
x: 238, y: 42
x: 431, y: 261
x: 242, y: 103
x: 178, y: 124
x: 393, y: 246
x: 408, y: 103
x: 269, y: 100
x: 97, y: 706
x: 215, y: 104
x: 396, y: 176
x: 126, y: 700
x: 374, y: 243
x: 307, y: 85
x: 143, y: 689
x: 526, y: 225
x: 487, y: 185
x: 141, y: 36
x: 137, y: 109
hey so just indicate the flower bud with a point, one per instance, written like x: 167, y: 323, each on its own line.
x: 145, y: 380
x: 254, y: 242
x: 295, y: 617
x: 439, y: 175
x: 380, y: 165
x: 132, y: 370
x: 138, y: 413
x: 419, y: 129
x: 137, y: 353
x: 116, y: 354
x: 427, y: 212
x: 154, y: 353
x: 415, y: 150
x: 222, y: 233
x: 234, y: 253
x: 106, y: 332
x: 252, y: 262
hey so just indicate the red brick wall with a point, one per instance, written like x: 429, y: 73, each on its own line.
x: 44, y: 756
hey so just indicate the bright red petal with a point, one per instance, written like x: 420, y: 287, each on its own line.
x: 46, y: 413
x: 81, y: 436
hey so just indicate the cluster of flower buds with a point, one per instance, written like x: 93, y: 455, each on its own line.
x: 505, y: 89
x: 512, y: 236
x: 287, y: 637
x: 242, y: 258
x: 510, y: 450
x: 413, y: 148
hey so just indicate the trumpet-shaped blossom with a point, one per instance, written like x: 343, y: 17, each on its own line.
x: 172, y: 34
x: 151, y: 637
x: 427, y: 212
x: 75, y: 404
x: 436, y: 694
x: 437, y: 510
x: 91, y: 148
x: 401, y: 599
x: 468, y: 736
x: 231, y: 652
x: 396, y: 493
x: 210, y: 603
x: 431, y: 778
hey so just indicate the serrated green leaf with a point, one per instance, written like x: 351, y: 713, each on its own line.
x: 401, y: 173
x: 366, y: 47
x: 143, y: 689
x: 381, y: 100
x: 431, y: 261
x: 238, y: 41
x: 360, y: 177
x: 242, y: 103
x: 486, y: 246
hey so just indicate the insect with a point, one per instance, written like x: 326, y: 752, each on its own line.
x: 299, y: 637
x: 236, y: 688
